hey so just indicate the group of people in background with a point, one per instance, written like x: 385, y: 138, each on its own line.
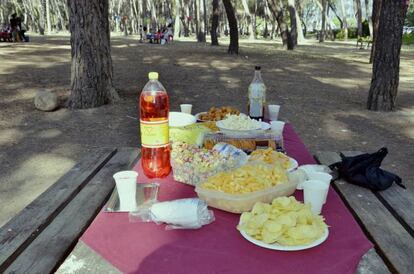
x: 162, y: 36
x: 15, y: 31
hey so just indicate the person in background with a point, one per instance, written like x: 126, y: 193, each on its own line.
x: 14, y: 24
x: 143, y: 33
x: 170, y: 34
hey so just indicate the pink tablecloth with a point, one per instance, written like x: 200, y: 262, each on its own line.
x: 218, y: 247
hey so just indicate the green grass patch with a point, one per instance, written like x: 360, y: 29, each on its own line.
x: 408, y: 39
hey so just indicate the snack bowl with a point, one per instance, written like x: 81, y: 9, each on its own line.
x: 242, y: 133
x: 198, y: 116
x: 239, y: 203
x: 181, y: 119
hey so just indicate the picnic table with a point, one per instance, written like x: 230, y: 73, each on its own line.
x: 44, y: 237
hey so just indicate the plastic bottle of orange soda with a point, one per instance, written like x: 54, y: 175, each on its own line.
x: 154, y: 108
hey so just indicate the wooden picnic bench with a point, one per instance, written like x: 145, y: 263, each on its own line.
x: 43, y: 237
x: 387, y: 217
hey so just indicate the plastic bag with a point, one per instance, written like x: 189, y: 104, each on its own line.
x: 239, y: 157
x: 364, y: 170
x: 190, y: 213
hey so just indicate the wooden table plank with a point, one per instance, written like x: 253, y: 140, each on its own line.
x: 52, y: 246
x: 371, y: 263
x: 398, y: 200
x: 392, y: 240
x: 20, y: 231
x: 83, y: 259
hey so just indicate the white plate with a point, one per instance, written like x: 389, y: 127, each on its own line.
x: 283, y: 247
x: 243, y: 133
x: 293, y: 164
x: 180, y: 119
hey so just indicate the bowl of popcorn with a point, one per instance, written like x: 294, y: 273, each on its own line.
x: 237, y: 190
x: 241, y: 125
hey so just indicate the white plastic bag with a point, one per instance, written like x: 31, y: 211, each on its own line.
x: 190, y: 213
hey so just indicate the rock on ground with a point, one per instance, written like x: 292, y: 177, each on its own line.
x: 46, y: 101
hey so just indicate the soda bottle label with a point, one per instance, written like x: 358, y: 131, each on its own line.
x: 154, y: 134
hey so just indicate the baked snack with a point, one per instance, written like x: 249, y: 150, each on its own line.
x: 217, y: 114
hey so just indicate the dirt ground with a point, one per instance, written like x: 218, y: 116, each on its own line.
x: 322, y: 89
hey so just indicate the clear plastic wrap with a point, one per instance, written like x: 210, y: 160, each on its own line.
x: 190, y: 213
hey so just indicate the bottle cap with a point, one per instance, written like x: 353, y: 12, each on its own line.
x: 153, y: 75
x: 257, y: 67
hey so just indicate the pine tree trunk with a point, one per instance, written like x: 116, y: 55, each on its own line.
x: 293, y: 33
x: 177, y: 25
x: 215, y: 23
x: 234, y: 34
x: 205, y: 30
x: 300, y: 35
x: 357, y: 5
x: 369, y: 19
x: 323, y: 26
x: 249, y: 19
x: 91, y: 72
x: 42, y: 17
x: 344, y: 20
x: 376, y: 10
x: 386, y: 67
x: 48, y: 22
x: 277, y: 11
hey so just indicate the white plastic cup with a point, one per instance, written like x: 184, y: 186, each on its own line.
x: 320, y: 176
x: 277, y: 126
x: 314, y: 192
x: 186, y: 108
x: 273, y: 112
x: 126, y: 185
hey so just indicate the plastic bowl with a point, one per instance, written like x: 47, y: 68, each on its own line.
x: 180, y: 119
x: 239, y: 203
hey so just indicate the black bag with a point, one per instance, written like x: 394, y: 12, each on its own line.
x: 364, y: 170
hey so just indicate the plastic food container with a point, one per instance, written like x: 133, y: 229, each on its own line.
x: 239, y: 203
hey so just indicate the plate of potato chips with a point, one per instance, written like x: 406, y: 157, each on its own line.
x: 285, y: 225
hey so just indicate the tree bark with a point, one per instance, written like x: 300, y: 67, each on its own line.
x: 344, y: 20
x: 177, y: 27
x: 386, y: 67
x: 323, y: 26
x: 215, y: 23
x: 300, y: 35
x: 369, y: 19
x: 358, y: 14
x: 376, y: 10
x: 205, y: 29
x: 91, y: 72
x: 42, y: 17
x: 234, y: 34
x: 48, y: 22
x: 276, y: 9
x: 249, y: 18
x: 293, y: 23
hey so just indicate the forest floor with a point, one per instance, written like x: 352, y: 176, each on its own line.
x: 322, y: 89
